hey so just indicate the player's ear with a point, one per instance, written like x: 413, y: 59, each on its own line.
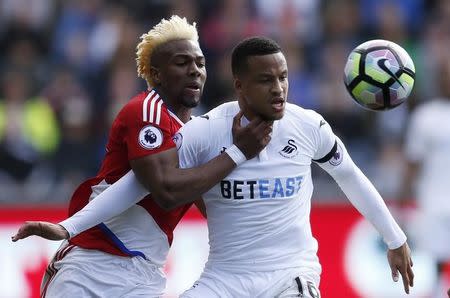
x: 155, y: 74
x: 237, y: 85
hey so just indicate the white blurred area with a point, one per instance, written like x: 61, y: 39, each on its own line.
x: 361, y: 263
x: 368, y: 271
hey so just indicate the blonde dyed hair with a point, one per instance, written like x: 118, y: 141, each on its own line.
x: 175, y: 28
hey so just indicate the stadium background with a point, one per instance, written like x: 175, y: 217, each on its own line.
x: 68, y: 66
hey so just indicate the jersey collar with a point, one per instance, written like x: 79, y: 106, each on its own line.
x: 174, y: 116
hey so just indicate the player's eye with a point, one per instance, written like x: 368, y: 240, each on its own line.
x: 264, y: 80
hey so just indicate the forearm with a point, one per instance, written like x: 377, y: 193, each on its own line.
x: 366, y: 199
x: 369, y: 203
x: 111, y: 202
x: 183, y: 186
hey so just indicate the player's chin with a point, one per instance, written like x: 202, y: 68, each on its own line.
x: 273, y: 115
x: 191, y: 101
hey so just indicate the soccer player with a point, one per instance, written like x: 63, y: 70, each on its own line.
x: 427, y: 147
x: 124, y: 255
x: 260, y: 237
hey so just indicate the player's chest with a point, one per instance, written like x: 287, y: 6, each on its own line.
x: 287, y: 152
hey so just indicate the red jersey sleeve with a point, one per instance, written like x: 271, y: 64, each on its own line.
x: 146, y: 127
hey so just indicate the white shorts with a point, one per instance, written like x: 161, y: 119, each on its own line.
x: 78, y: 272
x: 279, y: 283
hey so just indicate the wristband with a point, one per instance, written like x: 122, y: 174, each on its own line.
x: 236, y: 154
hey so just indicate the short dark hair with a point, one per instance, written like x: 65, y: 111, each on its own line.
x: 253, y: 46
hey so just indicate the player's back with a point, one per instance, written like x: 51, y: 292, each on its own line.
x: 144, y: 126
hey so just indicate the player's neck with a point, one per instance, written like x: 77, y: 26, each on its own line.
x: 248, y: 114
x: 183, y: 113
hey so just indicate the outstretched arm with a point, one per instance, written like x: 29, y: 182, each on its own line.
x: 114, y: 200
x: 363, y: 195
x: 127, y: 191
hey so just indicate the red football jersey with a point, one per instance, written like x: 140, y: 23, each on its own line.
x: 144, y: 126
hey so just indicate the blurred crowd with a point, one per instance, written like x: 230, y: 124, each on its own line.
x: 68, y: 66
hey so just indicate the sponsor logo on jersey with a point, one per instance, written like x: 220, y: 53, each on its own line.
x: 322, y: 123
x: 178, y: 140
x: 337, y: 157
x: 290, y: 150
x: 150, y: 137
x: 275, y: 188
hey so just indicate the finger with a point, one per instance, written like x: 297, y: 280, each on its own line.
x: 19, y: 235
x: 237, y: 119
x: 263, y: 128
x: 410, y: 276
x: 268, y: 130
x: 256, y: 121
x: 405, y: 280
x: 24, y: 231
x: 394, y: 273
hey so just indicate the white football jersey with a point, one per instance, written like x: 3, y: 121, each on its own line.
x: 258, y: 216
x: 428, y: 142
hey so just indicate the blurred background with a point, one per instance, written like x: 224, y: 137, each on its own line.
x: 67, y: 67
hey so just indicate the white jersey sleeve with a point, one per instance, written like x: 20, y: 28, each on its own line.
x: 114, y: 200
x: 192, y: 142
x: 363, y: 195
x: 326, y: 142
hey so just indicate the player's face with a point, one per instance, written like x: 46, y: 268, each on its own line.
x: 263, y: 87
x: 182, y: 72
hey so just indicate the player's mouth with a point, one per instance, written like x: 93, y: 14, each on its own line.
x: 193, y: 87
x: 278, y: 104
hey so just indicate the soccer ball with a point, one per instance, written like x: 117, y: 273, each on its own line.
x: 379, y: 75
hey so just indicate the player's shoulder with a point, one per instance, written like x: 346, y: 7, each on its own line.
x: 146, y: 106
x: 134, y: 106
x: 217, y: 117
x: 304, y: 116
x: 223, y: 111
x: 219, y: 113
x: 136, y: 102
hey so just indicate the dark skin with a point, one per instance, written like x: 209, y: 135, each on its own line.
x: 262, y: 89
x: 178, y: 71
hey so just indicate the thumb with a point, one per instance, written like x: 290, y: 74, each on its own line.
x: 237, y: 120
